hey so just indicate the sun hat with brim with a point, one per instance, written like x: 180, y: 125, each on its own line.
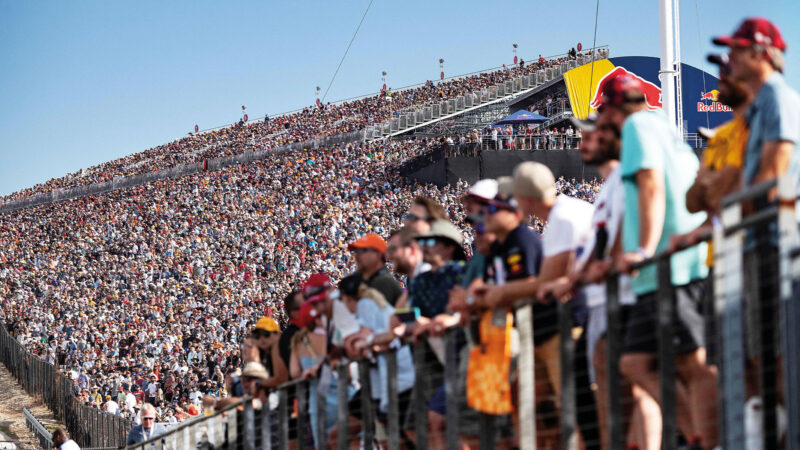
x: 533, y: 180
x: 255, y: 369
x: 443, y: 229
x: 754, y: 31
x: 369, y: 241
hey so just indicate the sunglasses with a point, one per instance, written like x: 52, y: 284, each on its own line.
x: 408, y: 217
x: 427, y: 242
x: 361, y: 251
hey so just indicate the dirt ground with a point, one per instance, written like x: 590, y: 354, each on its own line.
x: 12, y: 422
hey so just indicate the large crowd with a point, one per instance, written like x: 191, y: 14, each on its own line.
x: 189, y: 294
x: 272, y: 132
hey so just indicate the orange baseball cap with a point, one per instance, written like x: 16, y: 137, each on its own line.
x: 370, y: 241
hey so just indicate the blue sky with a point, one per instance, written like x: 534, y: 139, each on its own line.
x: 86, y: 82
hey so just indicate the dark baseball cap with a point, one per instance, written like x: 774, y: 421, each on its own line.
x: 587, y: 124
x: 722, y: 60
x: 754, y: 31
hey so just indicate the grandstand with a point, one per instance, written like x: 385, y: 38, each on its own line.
x: 146, y: 279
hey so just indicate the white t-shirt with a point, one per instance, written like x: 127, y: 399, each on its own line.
x: 609, y: 207
x: 344, y: 322
x: 568, y: 226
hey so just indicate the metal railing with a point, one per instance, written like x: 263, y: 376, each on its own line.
x: 42, y: 435
x: 89, y: 427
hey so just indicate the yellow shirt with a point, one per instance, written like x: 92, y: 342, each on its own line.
x: 726, y: 148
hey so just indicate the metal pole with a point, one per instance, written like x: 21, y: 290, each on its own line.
x: 367, y: 418
x: 789, y: 312
x: 302, y: 414
x: 451, y: 389
x: 569, y: 439
x: 527, y: 380
x: 420, y: 405
x: 321, y: 440
x: 667, y: 68
x: 666, y: 353
x: 283, y: 419
x: 247, y: 425
x: 614, y: 418
x: 393, y: 413
x: 344, y: 413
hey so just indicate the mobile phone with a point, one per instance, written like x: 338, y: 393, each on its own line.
x: 407, y: 315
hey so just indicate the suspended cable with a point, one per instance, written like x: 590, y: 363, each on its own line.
x: 703, y: 60
x: 594, y: 52
x: 346, y: 50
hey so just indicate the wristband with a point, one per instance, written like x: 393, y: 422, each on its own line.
x: 643, y: 253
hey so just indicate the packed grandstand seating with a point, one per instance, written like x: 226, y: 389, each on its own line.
x: 170, y: 277
x: 310, y: 122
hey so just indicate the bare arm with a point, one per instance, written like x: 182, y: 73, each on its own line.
x: 295, y: 370
x: 281, y: 375
x: 774, y: 160
x: 652, y: 208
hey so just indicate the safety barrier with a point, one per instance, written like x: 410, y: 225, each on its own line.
x: 34, y: 426
x: 440, y: 364
x: 89, y: 427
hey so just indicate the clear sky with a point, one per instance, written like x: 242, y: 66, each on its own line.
x: 86, y: 82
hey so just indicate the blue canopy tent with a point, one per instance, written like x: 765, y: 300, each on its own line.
x: 521, y: 117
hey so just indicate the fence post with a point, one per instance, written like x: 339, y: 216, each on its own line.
x: 344, y: 413
x: 666, y: 353
x: 567, y: 353
x: 367, y: 418
x: 302, y: 414
x: 420, y: 406
x: 266, y: 429
x: 789, y: 310
x: 247, y: 425
x: 283, y: 418
x: 527, y: 380
x: 321, y: 440
x: 393, y: 412
x: 614, y: 418
x: 451, y: 388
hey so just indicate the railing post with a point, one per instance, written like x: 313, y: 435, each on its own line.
x: 367, y: 418
x: 451, y: 388
x: 568, y: 416
x: 344, y: 413
x: 728, y: 310
x: 665, y: 299
x: 321, y: 440
x: 266, y: 429
x: 614, y: 418
x: 283, y: 418
x: 248, y: 432
x: 393, y: 412
x: 789, y: 311
x: 527, y: 380
x: 302, y: 414
x: 420, y: 406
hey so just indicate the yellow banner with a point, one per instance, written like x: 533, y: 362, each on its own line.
x: 582, y: 84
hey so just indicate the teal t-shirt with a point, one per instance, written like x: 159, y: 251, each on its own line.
x: 650, y: 142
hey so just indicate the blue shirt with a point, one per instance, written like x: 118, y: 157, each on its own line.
x: 430, y: 291
x: 650, y: 142
x: 774, y: 115
x: 371, y: 316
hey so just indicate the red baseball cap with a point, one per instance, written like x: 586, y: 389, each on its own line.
x: 307, y: 315
x: 754, y: 31
x: 623, y: 88
x: 315, y: 286
x: 371, y: 241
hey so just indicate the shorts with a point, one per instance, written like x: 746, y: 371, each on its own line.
x: 596, y: 328
x: 689, y: 325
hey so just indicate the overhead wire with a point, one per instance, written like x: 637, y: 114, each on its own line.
x: 347, y: 50
x: 594, y: 52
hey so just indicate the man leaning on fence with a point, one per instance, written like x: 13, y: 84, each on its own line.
x: 148, y: 429
x: 657, y: 169
x: 61, y: 440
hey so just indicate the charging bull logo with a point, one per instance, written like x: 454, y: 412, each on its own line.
x: 652, y: 93
x: 714, y: 106
x: 710, y: 95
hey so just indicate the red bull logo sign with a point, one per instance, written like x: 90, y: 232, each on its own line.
x: 714, y: 106
x: 652, y: 93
